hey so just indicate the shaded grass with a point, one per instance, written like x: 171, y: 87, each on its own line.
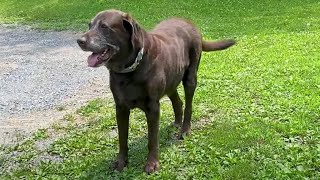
x: 256, y: 109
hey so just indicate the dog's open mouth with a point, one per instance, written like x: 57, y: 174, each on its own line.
x: 97, y: 59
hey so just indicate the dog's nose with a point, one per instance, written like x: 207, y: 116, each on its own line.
x: 82, y: 41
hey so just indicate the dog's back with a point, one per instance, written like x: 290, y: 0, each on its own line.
x: 175, y: 39
x: 178, y: 31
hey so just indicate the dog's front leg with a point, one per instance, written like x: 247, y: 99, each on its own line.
x: 152, y: 113
x: 122, y: 115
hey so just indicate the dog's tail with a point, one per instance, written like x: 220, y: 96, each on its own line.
x: 217, y: 45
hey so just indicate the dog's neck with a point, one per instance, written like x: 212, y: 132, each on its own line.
x: 135, y: 64
x: 132, y: 66
x: 128, y: 64
x: 133, y: 60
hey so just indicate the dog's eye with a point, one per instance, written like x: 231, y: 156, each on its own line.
x: 103, y: 26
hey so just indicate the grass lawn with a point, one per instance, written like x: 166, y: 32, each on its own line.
x: 256, y: 108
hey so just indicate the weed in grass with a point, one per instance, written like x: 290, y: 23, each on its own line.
x: 40, y: 134
x: 69, y: 117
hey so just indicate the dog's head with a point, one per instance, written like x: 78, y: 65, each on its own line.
x: 112, y: 35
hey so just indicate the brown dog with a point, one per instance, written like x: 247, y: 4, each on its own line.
x: 145, y: 66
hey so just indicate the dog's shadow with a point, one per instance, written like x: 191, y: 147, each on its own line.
x: 138, y: 151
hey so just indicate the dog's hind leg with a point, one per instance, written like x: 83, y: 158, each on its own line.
x: 177, y: 108
x: 189, y: 83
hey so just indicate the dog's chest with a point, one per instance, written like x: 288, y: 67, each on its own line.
x: 128, y: 91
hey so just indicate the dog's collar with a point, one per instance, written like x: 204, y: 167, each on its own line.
x: 135, y: 64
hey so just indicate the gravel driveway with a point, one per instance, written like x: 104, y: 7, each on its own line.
x: 40, y: 71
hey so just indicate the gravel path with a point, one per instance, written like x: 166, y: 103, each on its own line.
x: 40, y: 71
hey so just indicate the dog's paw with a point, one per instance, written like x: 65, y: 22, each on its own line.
x: 184, y: 134
x: 151, y: 166
x: 119, y: 164
x: 176, y: 124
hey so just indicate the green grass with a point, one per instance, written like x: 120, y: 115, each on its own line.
x: 256, y: 109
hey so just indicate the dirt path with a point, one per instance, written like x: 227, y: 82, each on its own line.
x: 41, y: 73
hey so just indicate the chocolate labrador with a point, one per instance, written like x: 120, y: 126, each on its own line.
x: 145, y: 66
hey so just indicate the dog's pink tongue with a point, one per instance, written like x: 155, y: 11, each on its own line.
x: 93, y: 60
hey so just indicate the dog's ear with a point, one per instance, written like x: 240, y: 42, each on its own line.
x: 132, y: 27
